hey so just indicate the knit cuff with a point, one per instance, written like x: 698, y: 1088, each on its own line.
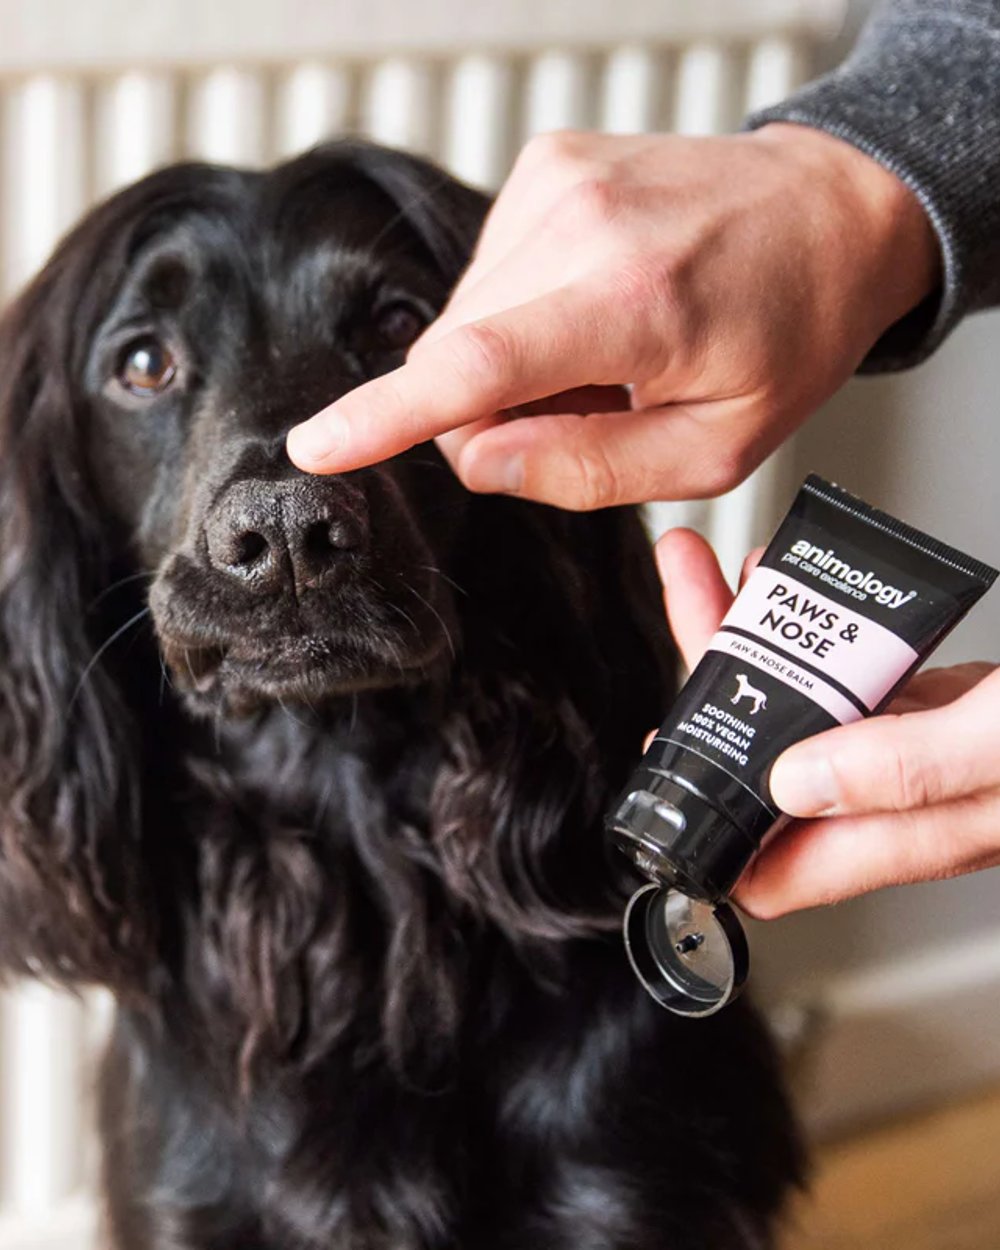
x: 921, y: 95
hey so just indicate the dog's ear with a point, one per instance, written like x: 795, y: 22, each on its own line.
x: 559, y: 683
x: 68, y: 796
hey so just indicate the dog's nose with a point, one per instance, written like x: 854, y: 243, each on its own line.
x: 276, y: 535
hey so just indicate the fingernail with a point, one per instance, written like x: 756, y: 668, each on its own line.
x: 317, y: 439
x: 503, y: 475
x: 803, y: 783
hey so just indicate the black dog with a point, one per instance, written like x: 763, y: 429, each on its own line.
x: 310, y: 772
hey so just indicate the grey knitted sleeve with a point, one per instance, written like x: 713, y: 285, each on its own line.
x: 921, y: 94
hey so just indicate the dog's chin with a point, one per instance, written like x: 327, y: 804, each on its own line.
x: 240, y: 680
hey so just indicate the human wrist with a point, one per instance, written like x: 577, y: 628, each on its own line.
x: 886, y: 233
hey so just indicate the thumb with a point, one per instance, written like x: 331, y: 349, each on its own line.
x: 893, y: 763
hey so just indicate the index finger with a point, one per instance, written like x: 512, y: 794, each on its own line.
x: 515, y: 357
x: 696, y: 593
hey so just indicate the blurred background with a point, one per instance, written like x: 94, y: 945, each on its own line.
x: 888, y: 1006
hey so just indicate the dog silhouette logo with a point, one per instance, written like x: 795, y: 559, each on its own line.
x: 744, y: 690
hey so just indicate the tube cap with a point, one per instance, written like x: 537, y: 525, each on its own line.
x: 690, y: 955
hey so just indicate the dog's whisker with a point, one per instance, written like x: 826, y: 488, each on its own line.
x: 296, y: 720
x: 432, y: 609
x: 108, y: 642
x: 165, y: 680
x: 432, y: 568
x: 405, y: 615
x: 406, y: 207
x: 323, y: 802
x: 217, y: 726
x: 122, y: 581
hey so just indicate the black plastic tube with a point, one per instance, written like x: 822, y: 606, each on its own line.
x: 845, y: 604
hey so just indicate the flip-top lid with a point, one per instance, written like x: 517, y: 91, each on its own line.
x: 691, y: 956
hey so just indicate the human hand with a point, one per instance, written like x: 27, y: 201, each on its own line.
x: 911, y: 795
x: 731, y: 283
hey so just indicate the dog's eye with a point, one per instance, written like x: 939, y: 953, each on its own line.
x: 398, y: 324
x: 146, y: 367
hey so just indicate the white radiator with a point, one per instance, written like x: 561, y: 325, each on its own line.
x: 94, y: 95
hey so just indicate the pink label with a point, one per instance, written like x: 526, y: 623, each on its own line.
x: 758, y: 655
x: 805, y: 625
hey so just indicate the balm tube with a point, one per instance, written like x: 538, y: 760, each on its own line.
x: 845, y: 604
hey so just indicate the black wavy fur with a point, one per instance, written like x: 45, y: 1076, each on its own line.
x: 334, y: 841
